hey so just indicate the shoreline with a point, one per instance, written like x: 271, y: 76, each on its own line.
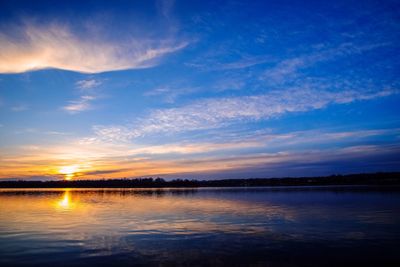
x: 374, y: 179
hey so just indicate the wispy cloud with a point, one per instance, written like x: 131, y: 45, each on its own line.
x: 265, y: 141
x: 263, y: 152
x: 58, y: 46
x: 231, y: 83
x: 97, y: 159
x: 288, y: 69
x: 82, y: 104
x: 313, y: 162
x: 89, y: 93
x: 88, y: 84
x: 19, y: 108
x: 242, y: 63
x: 231, y: 143
x: 216, y: 112
x: 165, y: 8
x: 220, y: 112
x: 170, y: 94
x: 112, y: 133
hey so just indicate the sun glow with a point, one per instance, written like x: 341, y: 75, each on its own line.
x: 68, y: 171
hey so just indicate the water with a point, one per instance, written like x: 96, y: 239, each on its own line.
x: 297, y: 226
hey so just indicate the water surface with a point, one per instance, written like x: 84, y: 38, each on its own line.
x: 296, y: 226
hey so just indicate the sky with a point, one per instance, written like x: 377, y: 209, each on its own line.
x: 198, y: 89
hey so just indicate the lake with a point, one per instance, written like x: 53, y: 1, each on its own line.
x: 284, y: 226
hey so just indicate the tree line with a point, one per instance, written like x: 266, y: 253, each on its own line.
x: 392, y: 178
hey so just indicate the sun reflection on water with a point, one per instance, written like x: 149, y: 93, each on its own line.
x: 66, y: 202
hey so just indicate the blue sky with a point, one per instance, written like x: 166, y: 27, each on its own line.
x: 198, y: 89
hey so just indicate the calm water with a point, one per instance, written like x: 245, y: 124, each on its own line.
x: 302, y: 226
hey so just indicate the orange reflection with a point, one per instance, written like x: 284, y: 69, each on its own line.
x: 66, y: 202
x: 92, y: 211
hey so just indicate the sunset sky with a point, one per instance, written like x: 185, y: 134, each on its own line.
x: 198, y: 89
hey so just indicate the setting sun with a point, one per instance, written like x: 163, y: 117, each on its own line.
x: 68, y: 171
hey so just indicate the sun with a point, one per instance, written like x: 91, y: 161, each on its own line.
x: 68, y: 171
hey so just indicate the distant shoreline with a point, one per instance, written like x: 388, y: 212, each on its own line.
x: 385, y: 178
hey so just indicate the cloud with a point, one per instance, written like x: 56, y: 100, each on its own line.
x: 104, y: 172
x: 55, y: 133
x: 220, y: 112
x: 289, y: 68
x: 284, y: 69
x: 82, y: 104
x: 89, y: 94
x: 113, y: 133
x: 88, y: 84
x: 170, y: 94
x: 282, y: 163
x: 210, y: 64
x: 225, y: 143
x: 19, y: 108
x: 266, y: 153
x: 231, y: 83
x: 305, y: 163
x: 58, y: 46
x: 243, y: 63
x: 165, y: 8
